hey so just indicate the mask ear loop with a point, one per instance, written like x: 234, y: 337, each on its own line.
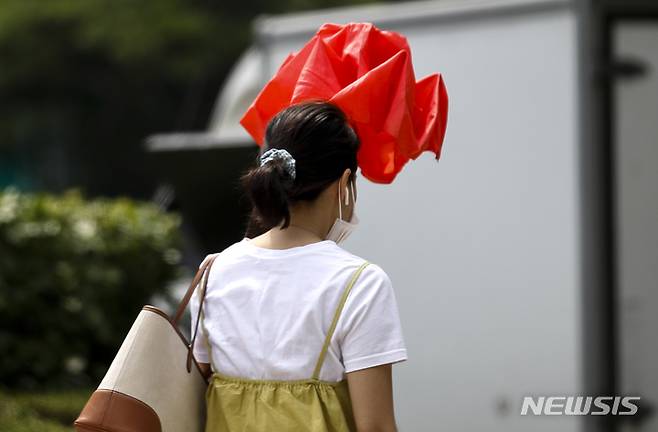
x: 347, y: 199
x: 340, y: 207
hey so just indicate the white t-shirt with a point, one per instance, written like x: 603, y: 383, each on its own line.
x: 267, y: 313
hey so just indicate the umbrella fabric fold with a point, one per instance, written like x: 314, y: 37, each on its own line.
x: 368, y: 74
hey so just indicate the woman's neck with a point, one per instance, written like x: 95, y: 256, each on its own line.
x: 309, y: 223
x: 292, y: 236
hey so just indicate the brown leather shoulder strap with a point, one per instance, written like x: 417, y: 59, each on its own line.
x: 200, y: 276
x: 190, y: 290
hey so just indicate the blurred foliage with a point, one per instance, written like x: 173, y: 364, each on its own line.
x: 74, y: 274
x: 83, y: 82
x: 52, y: 411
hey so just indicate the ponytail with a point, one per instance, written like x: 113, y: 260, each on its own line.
x: 267, y: 188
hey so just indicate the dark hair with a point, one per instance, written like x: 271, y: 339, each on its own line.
x: 318, y: 136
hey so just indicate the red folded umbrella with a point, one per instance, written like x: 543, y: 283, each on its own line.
x: 366, y: 72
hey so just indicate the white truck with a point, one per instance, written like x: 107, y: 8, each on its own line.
x: 521, y: 264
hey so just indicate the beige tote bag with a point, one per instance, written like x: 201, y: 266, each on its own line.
x: 152, y: 384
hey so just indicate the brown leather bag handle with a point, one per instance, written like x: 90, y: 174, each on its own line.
x: 200, y: 276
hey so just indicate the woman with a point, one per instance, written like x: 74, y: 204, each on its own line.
x: 273, y: 299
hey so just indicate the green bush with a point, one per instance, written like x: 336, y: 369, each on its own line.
x: 52, y: 411
x: 74, y: 274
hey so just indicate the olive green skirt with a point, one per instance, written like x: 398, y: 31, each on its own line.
x: 244, y: 405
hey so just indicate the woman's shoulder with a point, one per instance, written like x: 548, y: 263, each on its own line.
x: 374, y: 277
x: 223, y: 254
x: 371, y: 274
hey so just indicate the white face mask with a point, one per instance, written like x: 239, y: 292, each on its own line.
x: 341, y: 229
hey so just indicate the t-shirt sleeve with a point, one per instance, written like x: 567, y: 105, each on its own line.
x: 369, y: 328
x: 200, y: 348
